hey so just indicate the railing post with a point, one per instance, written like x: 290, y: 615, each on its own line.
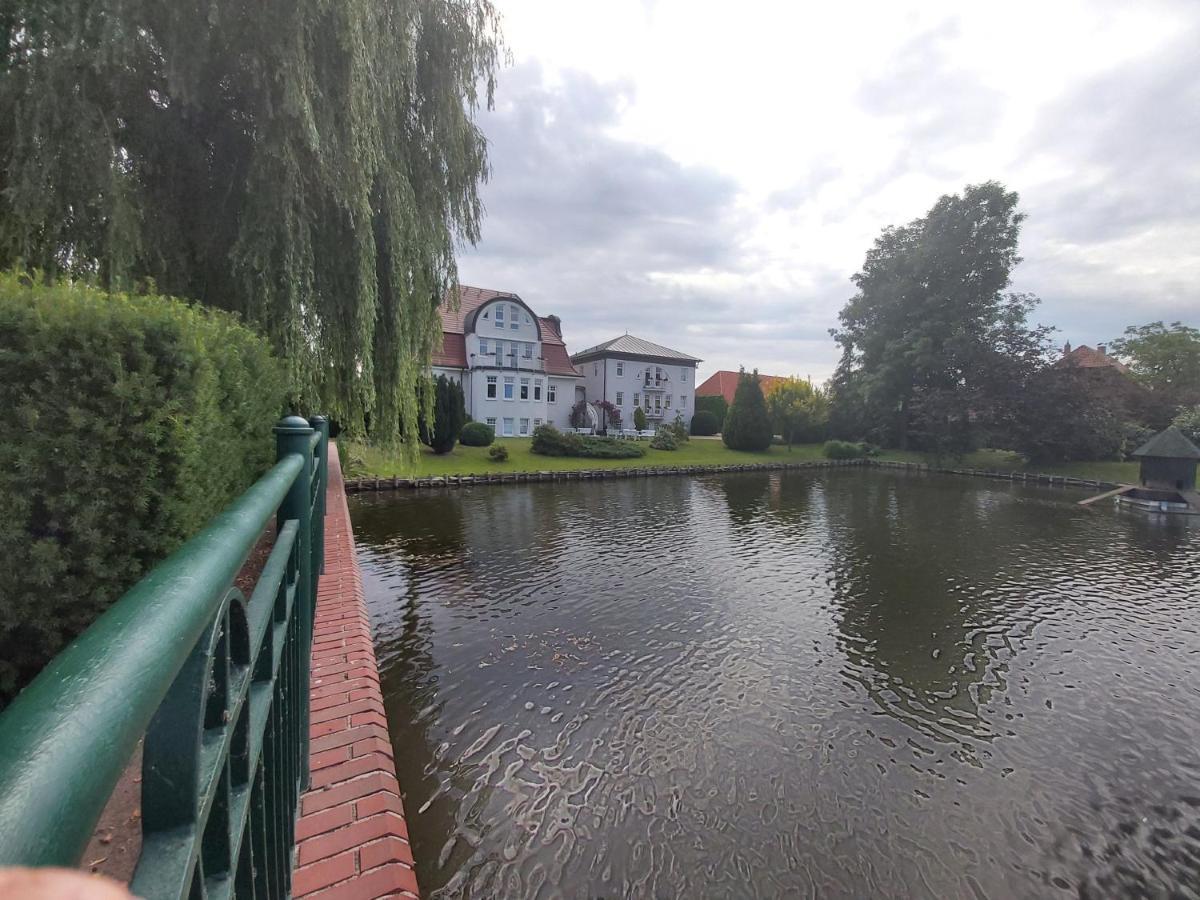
x: 321, y: 424
x: 294, y: 435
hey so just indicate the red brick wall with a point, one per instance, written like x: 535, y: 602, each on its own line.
x: 351, y: 840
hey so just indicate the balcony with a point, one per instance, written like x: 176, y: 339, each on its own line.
x: 655, y: 384
x: 509, y: 361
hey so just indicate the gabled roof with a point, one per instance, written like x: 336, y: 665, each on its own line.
x: 452, y: 353
x: 724, y: 384
x: 1170, y: 443
x: 1085, y: 357
x: 629, y: 345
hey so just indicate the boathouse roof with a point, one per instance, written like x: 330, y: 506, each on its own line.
x: 1170, y: 443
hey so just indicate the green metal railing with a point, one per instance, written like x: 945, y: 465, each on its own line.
x: 218, y: 686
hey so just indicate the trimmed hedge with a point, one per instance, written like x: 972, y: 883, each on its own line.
x: 132, y: 420
x: 704, y: 423
x: 846, y: 450
x: 549, y: 441
x: 477, y: 434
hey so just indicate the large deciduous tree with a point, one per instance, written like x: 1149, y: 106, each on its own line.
x: 932, y: 335
x: 311, y: 165
x: 1165, y: 360
x: 799, y: 411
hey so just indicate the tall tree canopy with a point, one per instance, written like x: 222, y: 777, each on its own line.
x: 308, y: 164
x: 931, y: 328
x: 1164, y: 359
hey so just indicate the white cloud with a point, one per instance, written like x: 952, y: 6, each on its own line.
x: 709, y: 176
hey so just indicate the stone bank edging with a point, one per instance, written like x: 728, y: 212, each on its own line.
x: 358, y: 485
x: 351, y: 838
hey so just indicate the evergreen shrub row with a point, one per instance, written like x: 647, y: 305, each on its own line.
x: 131, y: 421
x: 549, y: 441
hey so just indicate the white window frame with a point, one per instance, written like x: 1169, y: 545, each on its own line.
x: 621, y: 368
x: 620, y: 398
x: 683, y: 374
x: 515, y: 320
x: 524, y: 394
x: 537, y: 422
x: 508, y: 426
x: 637, y: 399
x: 491, y: 420
x: 552, y: 393
x: 492, y: 387
x: 537, y: 389
x: 523, y: 427
x: 483, y: 350
x: 510, y: 385
x: 500, y: 316
x: 667, y: 402
x: 528, y: 354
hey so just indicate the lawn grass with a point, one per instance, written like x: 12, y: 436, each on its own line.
x: 474, y: 460
x: 697, y: 452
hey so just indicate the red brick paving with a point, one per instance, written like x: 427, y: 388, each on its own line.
x: 351, y: 840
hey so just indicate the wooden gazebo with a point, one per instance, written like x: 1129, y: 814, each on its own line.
x: 1168, y: 461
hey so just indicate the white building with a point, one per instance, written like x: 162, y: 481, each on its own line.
x: 512, y: 363
x: 629, y: 372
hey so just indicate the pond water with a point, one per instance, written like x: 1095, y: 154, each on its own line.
x: 825, y: 683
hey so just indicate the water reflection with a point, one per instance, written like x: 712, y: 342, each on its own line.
x: 822, y: 684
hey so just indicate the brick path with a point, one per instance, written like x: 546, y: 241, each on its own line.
x: 351, y: 840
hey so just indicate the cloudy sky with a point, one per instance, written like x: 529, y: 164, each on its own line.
x: 709, y: 176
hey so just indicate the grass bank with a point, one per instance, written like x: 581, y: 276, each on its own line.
x: 474, y: 460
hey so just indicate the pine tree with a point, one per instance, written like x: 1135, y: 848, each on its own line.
x: 747, y: 424
x: 449, y: 416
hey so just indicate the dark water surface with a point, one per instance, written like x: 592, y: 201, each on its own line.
x: 825, y: 684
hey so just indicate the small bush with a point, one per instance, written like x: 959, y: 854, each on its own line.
x: 549, y: 441
x: 664, y: 440
x: 498, y: 453
x: 609, y: 448
x: 131, y: 421
x: 639, y: 419
x: 477, y: 434
x: 705, y: 423
x: 843, y: 450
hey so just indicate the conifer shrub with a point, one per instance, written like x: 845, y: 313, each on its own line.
x: 132, y: 420
x: 449, y: 416
x: 477, y: 434
x: 704, y: 423
x: 747, y: 424
x: 639, y: 418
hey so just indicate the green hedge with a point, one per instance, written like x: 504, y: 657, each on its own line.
x: 477, y: 434
x: 130, y: 421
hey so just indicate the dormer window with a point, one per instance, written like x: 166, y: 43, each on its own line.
x: 483, y: 346
x: 516, y: 317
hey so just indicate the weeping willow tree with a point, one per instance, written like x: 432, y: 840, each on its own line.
x: 310, y: 164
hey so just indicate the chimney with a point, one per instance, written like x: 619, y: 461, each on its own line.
x: 1100, y: 349
x: 556, y: 322
x: 1067, y: 349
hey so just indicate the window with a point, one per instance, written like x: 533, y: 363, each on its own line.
x: 516, y: 318
x: 620, y: 371
x: 483, y: 346
x: 552, y: 393
x: 537, y: 389
x: 683, y: 399
x: 620, y: 398
x: 667, y: 402
x: 537, y: 422
x: 508, y: 427
x: 508, y: 388
x: 683, y: 374
x: 491, y: 387
x: 499, y: 316
x: 637, y: 398
x: 492, y: 422
x: 529, y: 351
x: 524, y: 388
x: 524, y: 426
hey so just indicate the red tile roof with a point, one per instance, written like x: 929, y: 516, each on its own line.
x: 724, y: 383
x: 453, y: 351
x: 1085, y: 357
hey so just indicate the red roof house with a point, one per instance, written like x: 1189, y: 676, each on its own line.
x: 724, y: 383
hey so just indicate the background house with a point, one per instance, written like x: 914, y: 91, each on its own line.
x: 512, y: 363
x: 630, y: 372
x: 724, y: 382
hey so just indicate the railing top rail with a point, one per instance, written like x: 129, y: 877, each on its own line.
x: 66, y: 739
